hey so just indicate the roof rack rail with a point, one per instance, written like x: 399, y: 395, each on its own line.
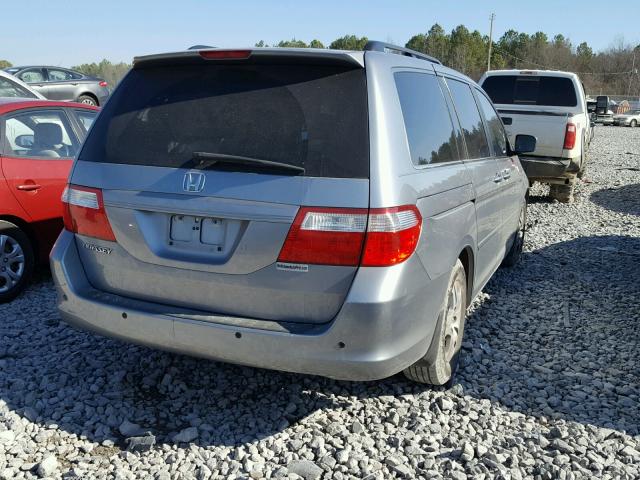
x: 376, y: 46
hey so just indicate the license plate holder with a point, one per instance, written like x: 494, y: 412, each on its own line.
x: 197, y: 230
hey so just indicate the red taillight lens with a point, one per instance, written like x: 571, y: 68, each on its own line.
x: 225, y: 54
x: 570, y: 136
x: 326, y: 236
x: 392, y: 235
x: 336, y: 236
x: 84, y: 213
x: 103, y: 83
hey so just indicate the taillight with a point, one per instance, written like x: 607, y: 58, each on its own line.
x: 225, y: 54
x: 570, y: 136
x: 103, y: 83
x: 326, y: 236
x: 84, y: 213
x: 392, y: 235
x: 349, y: 237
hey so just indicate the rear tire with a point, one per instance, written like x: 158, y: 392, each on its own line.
x: 633, y: 124
x: 583, y: 164
x: 438, y: 366
x: 87, y: 100
x: 513, y: 255
x: 16, y: 261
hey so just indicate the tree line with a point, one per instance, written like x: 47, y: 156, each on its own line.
x: 612, y: 71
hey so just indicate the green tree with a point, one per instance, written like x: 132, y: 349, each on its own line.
x: 349, y: 42
x: 5, y: 64
x: 316, y: 44
x: 293, y: 43
x: 261, y: 44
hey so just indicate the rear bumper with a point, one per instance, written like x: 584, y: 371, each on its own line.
x: 386, y: 323
x: 544, y: 168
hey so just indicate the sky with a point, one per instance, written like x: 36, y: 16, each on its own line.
x: 70, y: 32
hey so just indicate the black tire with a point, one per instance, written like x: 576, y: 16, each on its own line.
x: 87, y: 100
x: 633, y: 124
x: 513, y: 255
x: 16, y: 261
x: 583, y: 165
x: 438, y: 366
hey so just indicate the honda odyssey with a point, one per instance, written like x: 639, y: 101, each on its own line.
x: 317, y: 211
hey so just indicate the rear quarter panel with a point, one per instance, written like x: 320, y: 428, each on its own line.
x: 442, y: 192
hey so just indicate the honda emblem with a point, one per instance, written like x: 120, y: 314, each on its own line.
x: 193, y: 182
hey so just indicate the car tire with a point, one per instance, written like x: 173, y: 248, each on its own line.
x: 515, y: 252
x: 583, y: 164
x: 633, y: 124
x: 87, y: 100
x: 438, y: 366
x: 16, y: 261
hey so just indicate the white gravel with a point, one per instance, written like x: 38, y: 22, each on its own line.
x: 549, y: 385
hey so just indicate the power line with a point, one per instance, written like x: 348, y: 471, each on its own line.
x: 548, y: 67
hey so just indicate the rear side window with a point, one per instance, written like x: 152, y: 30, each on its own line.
x: 307, y: 116
x: 470, y: 120
x: 531, y: 90
x: 86, y: 118
x: 496, y: 130
x: 426, y: 117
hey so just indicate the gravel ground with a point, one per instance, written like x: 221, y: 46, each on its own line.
x: 549, y: 385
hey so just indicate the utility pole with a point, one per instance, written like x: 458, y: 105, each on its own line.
x: 633, y: 70
x: 491, y: 18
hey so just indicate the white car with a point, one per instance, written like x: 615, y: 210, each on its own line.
x: 551, y: 106
x: 627, y: 119
x: 13, y: 87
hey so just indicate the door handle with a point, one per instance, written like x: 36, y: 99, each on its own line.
x: 506, y: 173
x: 29, y: 187
x: 497, y: 178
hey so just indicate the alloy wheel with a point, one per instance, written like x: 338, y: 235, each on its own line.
x: 454, y: 316
x: 12, y: 263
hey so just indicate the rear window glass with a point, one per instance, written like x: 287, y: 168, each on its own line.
x: 313, y: 117
x: 531, y: 90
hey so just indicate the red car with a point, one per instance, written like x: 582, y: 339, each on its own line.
x: 38, y: 141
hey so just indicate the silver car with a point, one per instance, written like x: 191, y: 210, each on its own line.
x: 12, y: 87
x: 62, y: 84
x: 627, y: 119
x: 316, y: 211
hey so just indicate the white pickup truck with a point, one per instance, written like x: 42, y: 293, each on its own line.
x: 551, y: 106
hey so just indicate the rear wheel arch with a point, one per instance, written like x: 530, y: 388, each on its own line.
x: 89, y: 94
x: 26, y: 228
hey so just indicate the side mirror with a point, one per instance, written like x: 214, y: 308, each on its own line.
x: 24, y: 141
x: 525, y: 144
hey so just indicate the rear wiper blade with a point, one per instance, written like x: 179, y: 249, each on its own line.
x: 209, y: 159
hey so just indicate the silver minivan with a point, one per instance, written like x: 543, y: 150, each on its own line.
x: 315, y: 211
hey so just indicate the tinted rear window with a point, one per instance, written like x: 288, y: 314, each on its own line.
x: 313, y: 117
x: 531, y: 90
